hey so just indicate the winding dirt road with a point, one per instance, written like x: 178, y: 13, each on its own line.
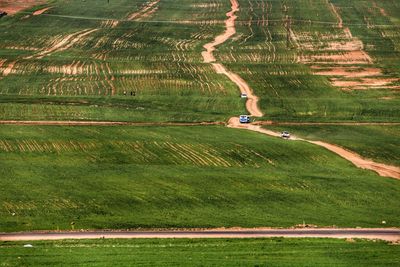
x: 388, y: 234
x: 208, y: 57
x: 254, y: 111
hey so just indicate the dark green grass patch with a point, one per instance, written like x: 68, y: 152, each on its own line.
x: 129, y: 177
x: 201, y: 252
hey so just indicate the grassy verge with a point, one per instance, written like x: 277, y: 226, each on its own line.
x: 129, y: 177
x: 203, y: 252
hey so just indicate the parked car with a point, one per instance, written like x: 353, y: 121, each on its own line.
x: 285, y: 135
x: 243, y: 95
x: 244, y: 119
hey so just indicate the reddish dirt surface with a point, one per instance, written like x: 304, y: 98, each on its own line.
x: 343, y: 54
x: 208, y: 56
x: 347, y: 72
x: 14, y: 6
x: 41, y: 11
x: 8, y: 69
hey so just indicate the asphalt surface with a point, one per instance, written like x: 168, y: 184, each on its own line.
x: 388, y: 234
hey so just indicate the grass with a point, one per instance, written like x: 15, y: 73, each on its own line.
x: 130, y: 177
x: 380, y: 143
x: 161, y: 61
x: 201, y: 252
x: 288, y: 89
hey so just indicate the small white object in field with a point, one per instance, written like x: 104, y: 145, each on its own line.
x: 383, y: 222
x: 28, y: 246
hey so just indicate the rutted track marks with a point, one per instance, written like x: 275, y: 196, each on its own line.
x: 145, y: 11
x: 63, y: 43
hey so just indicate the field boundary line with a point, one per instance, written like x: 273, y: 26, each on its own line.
x: 108, y: 123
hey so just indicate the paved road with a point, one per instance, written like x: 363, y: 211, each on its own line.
x: 389, y: 234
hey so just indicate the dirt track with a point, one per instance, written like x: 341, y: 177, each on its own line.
x: 357, y: 160
x: 107, y: 123
x: 208, y: 57
x: 388, y: 234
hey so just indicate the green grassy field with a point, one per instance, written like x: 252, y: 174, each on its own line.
x: 283, y: 77
x: 160, y: 62
x: 201, y: 252
x: 130, y: 177
x: 380, y: 143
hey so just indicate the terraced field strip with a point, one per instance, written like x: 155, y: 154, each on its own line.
x: 342, y: 57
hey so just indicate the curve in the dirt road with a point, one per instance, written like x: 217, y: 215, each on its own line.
x: 208, y: 56
x: 252, y: 107
x: 357, y: 160
x: 388, y: 234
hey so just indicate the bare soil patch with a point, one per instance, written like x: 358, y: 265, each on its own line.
x: 14, y: 6
x: 145, y: 11
x: 41, y: 11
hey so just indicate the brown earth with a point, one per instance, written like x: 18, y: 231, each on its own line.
x: 41, y: 11
x: 347, y: 72
x: 14, y: 6
x: 343, y: 54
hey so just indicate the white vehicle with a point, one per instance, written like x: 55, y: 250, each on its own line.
x: 244, y: 119
x: 243, y: 95
x: 285, y: 135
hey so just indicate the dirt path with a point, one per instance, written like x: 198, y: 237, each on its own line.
x: 357, y: 160
x: 388, y: 234
x: 107, y: 123
x: 381, y: 169
x: 208, y: 57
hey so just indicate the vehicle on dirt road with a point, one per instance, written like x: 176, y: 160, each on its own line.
x: 243, y: 95
x: 285, y: 135
x: 244, y: 119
